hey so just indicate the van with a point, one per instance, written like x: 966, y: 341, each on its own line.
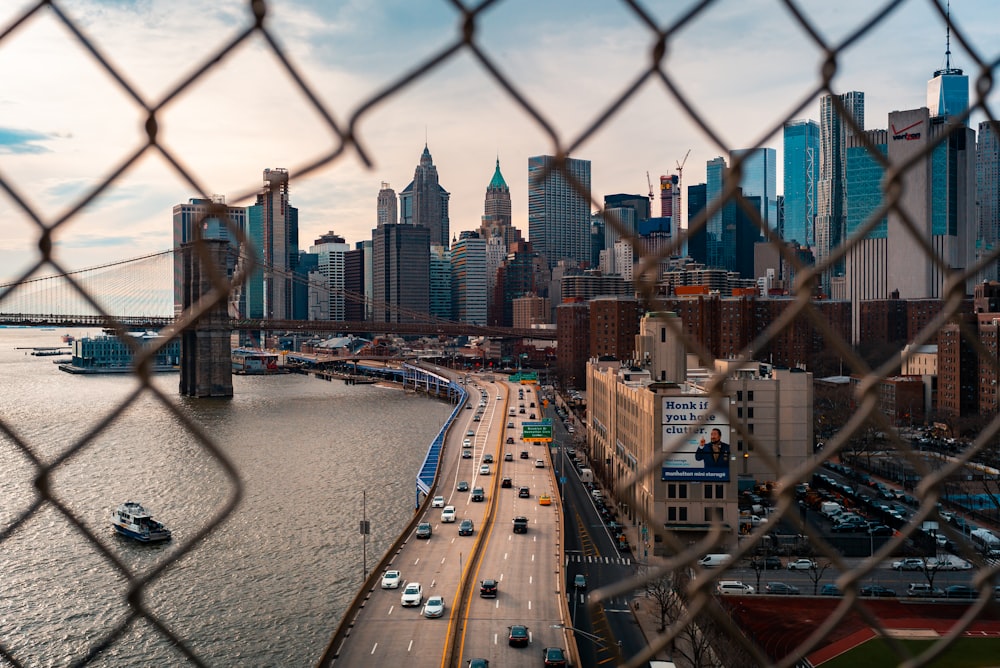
x: 829, y: 508
x: 714, y: 560
x: 586, y: 475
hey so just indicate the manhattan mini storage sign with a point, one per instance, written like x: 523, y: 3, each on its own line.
x: 695, y: 452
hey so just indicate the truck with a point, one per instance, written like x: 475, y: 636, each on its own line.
x: 830, y: 508
x: 586, y: 475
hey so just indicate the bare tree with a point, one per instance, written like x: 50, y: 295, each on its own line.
x: 661, y: 590
x: 816, y: 573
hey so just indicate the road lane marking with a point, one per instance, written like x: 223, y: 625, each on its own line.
x: 374, y: 647
x: 391, y: 608
x: 409, y: 646
x: 530, y: 578
x: 529, y: 605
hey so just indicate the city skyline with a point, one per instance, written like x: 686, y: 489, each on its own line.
x: 57, y: 143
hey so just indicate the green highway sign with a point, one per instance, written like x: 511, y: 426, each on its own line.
x: 537, y: 431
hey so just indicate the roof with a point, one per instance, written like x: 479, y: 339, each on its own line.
x: 497, y: 182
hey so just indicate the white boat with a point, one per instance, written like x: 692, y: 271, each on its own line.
x: 132, y: 520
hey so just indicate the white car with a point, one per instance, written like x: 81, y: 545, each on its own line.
x: 438, y: 502
x: 447, y: 514
x: 801, y: 565
x: 391, y: 579
x: 484, y: 469
x: 539, y: 463
x: 434, y: 607
x: 412, y: 595
x: 733, y: 587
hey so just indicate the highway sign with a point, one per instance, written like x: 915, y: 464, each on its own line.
x: 539, y: 432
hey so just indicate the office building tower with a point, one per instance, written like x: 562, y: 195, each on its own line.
x: 425, y: 202
x: 386, y: 206
x: 468, y: 276
x: 496, y: 253
x: 225, y: 223
x: 696, y: 243
x: 368, y: 274
x: 831, y: 195
x: 401, y: 273
x: 718, y: 232
x: 801, y: 174
x: 759, y: 179
x: 948, y: 91
x: 496, y: 221
x: 988, y: 193
x: 620, y: 227
x: 670, y: 196
x: 273, y: 230
x: 938, y: 197
x: 328, y: 278
x: 596, y: 238
x: 515, y: 278
x: 559, y: 212
x: 440, y: 282
x: 355, y: 304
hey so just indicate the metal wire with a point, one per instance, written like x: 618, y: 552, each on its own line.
x: 697, y: 615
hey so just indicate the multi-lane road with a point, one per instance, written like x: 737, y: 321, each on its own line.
x: 528, y: 567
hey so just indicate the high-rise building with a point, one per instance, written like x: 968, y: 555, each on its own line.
x: 620, y: 225
x: 401, y: 272
x: 273, y: 230
x: 440, y: 282
x: 696, y: 243
x: 496, y: 221
x: 948, y: 90
x: 386, y: 207
x: 801, y: 174
x: 831, y: 195
x: 355, y: 306
x: 558, y: 211
x: 468, y: 276
x: 198, y: 212
x: 425, y: 202
x: 759, y: 179
x: 988, y: 194
x: 515, y: 278
x: 718, y: 239
x: 329, y: 249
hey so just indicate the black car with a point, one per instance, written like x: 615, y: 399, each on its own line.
x: 524, y: 493
x: 488, y: 589
x: 524, y: 454
x: 510, y: 440
x: 520, y: 525
x: 517, y: 635
x: 781, y: 588
x: 771, y: 563
x: 554, y: 657
x: 424, y: 530
x: 466, y: 528
x: 487, y: 459
x: 877, y: 591
x: 960, y: 591
x: 880, y: 530
x: 463, y: 486
x: 506, y: 482
x: 848, y: 527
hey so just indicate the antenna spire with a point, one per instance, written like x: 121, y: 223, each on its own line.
x: 947, y: 41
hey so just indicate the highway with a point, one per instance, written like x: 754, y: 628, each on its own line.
x: 527, y: 566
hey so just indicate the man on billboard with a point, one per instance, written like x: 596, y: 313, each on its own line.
x: 715, y: 453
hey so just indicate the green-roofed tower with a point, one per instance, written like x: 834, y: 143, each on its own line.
x: 496, y: 220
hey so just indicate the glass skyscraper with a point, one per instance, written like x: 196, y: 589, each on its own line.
x: 558, y: 213
x: 801, y: 174
x: 718, y: 242
x: 759, y: 179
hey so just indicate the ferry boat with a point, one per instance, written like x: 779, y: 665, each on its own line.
x: 132, y: 520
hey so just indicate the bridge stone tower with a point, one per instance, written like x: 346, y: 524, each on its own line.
x: 206, y: 358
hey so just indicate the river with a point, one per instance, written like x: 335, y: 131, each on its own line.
x: 267, y: 586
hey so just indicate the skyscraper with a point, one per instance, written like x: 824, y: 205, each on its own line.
x: 496, y: 221
x: 801, y: 174
x: 386, y: 206
x: 988, y: 190
x: 559, y: 214
x: 948, y: 91
x: 440, y: 282
x: 468, y: 276
x: 273, y: 229
x: 425, y: 202
x: 196, y: 211
x: 831, y: 195
x: 401, y: 272
x: 718, y: 232
x: 759, y: 179
x: 328, y: 278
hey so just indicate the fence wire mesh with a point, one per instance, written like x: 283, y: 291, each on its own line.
x: 693, y: 617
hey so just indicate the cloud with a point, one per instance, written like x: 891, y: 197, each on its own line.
x: 13, y: 140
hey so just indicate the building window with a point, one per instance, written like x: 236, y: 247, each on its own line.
x: 750, y: 412
x: 749, y: 395
x: 677, y: 491
x: 677, y: 513
x: 739, y: 395
x: 713, y: 513
x: 715, y: 491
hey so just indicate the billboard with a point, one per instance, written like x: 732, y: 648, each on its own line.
x: 695, y: 452
x: 537, y: 431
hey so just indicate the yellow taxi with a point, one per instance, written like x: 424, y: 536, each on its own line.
x: 545, y: 500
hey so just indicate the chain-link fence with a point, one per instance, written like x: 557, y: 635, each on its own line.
x: 693, y: 616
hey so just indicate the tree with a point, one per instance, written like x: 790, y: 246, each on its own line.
x: 816, y: 573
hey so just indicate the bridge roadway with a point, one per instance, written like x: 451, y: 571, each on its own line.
x: 526, y: 566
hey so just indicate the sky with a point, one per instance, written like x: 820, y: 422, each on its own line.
x: 744, y: 66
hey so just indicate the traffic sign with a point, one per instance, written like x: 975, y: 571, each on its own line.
x: 539, y: 432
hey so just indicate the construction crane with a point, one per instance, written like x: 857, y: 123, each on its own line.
x: 648, y: 181
x: 680, y: 175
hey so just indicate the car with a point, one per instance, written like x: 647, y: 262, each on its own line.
x: 848, y: 527
x: 466, y: 454
x: 463, y: 486
x: 524, y: 454
x: 488, y: 589
x: 960, y: 591
x: 880, y: 530
x: 554, y: 657
x: 484, y: 469
x: 949, y: 562
x: 830, y: 590
x: 508, y: 457
x: 801, y: 565
x: 877, y: 591
x: 466, y: 528
x: 923, y: 590
x: 520, y: 525
x: 580, y: 581
x: 412, y: 595
x: 770, y: 563
x: 524, y: 493
x: 479, y: 663
x: 531, y: 405
x: 539, y: 463
x: 510, y: 440
x: 781, y: 588
x: 468, y: 407
x: 545, y: 500
x: 478, y: 494
x: 499, y: 397
x: 437, y: 502
x: 487, y: 458
x: 434, y: 607
x: 467, y: 442
x: 447, y: 514
x: 391, y: 579
x: 517, y: 635
x: 510, y: 425
x: 424, y: 530
x: 506, y: 482
x: 731, y: 587
x: 910, y: 564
